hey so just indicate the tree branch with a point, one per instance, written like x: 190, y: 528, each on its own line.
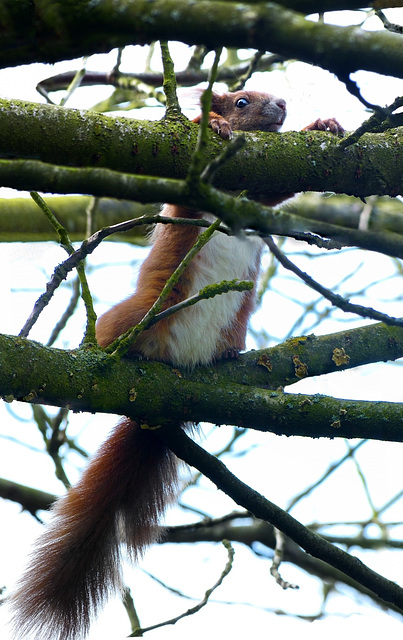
x: 336, y: 299
x: 86, y: 380
x: 237, y: 213
x: 189, y: 77
x: 321, y: 6
x: 20, y: 220
x: 48, y: 30
x: 32, y: 500
x: 84, y: 139
x: 376, y: 214
x: 259, y: 531
x: 262, y: 508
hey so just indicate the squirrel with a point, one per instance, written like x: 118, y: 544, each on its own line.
x: 125, y: 489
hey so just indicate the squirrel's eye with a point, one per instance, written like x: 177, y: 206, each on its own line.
x: 241, y: 103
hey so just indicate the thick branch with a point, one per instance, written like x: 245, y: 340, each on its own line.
x: 288, y: 162
x: 376, y: 214
x: 237, y: 213
x: 315, y: 6
x: 90, y: 381
x: 48, y: 30
x: 22, y: 221
x: 311, y: 355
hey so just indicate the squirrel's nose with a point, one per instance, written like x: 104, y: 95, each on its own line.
x: 281, y: 103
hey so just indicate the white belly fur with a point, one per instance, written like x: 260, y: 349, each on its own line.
x: 194, y: 332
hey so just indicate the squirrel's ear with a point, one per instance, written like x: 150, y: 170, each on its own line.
x: 194, y: 96
x: 216, y: 102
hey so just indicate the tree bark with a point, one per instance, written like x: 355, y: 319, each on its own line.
x: 88, y: 380
x: 288, y: 162
x: 48, y: 31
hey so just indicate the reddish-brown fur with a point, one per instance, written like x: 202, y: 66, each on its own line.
x: 119, y: 499
x: 170, y: 247
x: 126, y: 487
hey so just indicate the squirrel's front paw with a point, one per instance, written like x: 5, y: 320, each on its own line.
x: 330, y: 124
x: 221, y: 126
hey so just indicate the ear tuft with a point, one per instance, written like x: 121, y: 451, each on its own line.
x: 216, y: 102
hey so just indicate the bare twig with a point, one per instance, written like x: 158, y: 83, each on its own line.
x: 390, y: 26
x: 139, y: 632
x: 44, y: 299
x: 377, y: 122
x: 277, y: 560
x: 334, y: 298
x: 71, y: 307
x: 331, y: 469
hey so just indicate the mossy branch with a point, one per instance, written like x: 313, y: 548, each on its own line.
x: 235, y: 212
x: 283, y: 161
x: 46, y: 31
x: 89, y: 380
x: 20, y: 221
x: 210, y: 291
x: 173, y: 110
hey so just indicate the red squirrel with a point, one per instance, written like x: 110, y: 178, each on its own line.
x: 126, y: 487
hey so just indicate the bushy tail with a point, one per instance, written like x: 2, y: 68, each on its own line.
x: 76, y: 564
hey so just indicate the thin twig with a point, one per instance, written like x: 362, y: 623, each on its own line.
x: 195, y: 166
x: 44, y: 299
x: 69, y: 311
x: 62, y: 270
x: 324, y: 476
x: 203, y: 601
x: 334, y: 298
x: 75, y: 83
x: 217, y: 162
x: 129, y: 605
x: 173, y: 109
x: 253, y: 64
x: 209, y: 291
x: 376, y: 121
x: 277, y: 560
x: 390, y: 26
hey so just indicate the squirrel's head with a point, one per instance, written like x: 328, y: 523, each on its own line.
x: 250, y: 110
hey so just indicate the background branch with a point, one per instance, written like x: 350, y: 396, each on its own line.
x: 20, y: 220
x: 130, y: 81
x: 50, y: 32
x: 259, y: 532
